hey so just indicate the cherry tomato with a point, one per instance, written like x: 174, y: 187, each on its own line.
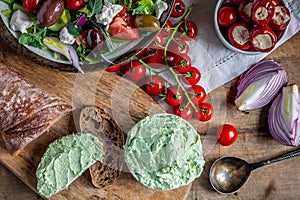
x: 189, y: 30
x: 142, y: 53
x: 134, y: 70
x: 262, y: 11
x: 227, y: 16
x: 30, y: 5
x: 157, y: 41
x: 178, y: 9
x: 239, y: 36
x: 154, y: 86
x: 181, y: 63
x: 192, y: 77
x: 244, y: 10
x: 179, y: 46
x: 167, y: 29
x: 235, y: 2
x: 184, y: 112
x: 281, y: 18
x: 197, y: 94
x: 113, y: 68
x: 227, y: 134
x: 205, y: 112
x: 174, y: 96
x: 154, y: 56
x: 263, y: 38
x: 74, y: 4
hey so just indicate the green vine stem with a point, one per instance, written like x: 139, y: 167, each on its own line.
x: 151, y: 70
x: 170, y: 68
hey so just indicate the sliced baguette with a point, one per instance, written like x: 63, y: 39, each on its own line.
x: 25, y: 113
x: 100, y: 122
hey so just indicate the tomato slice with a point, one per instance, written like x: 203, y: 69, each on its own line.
x: 121, y: 30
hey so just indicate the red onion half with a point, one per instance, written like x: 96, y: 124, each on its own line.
x: 284, y: 114
x: 260, y: 85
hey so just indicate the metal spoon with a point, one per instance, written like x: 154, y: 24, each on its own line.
x: 229, y: 174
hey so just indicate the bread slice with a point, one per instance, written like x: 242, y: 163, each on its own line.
x: 100, y: 122
x: 26, y: 112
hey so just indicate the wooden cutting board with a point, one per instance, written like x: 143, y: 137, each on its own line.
x: 128, y: 103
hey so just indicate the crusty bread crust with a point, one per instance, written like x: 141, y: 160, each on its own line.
x: 100, y: 123
x: 26, y: 112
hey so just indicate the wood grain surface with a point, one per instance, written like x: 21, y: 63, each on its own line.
x: 254, y: 143
x: 128, y: 104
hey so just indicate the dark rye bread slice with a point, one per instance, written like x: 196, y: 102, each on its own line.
x: 100, y: 122
x: 26, y: 112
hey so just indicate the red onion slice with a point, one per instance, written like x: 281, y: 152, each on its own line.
x: 284, y: 114
x: 260, y: 85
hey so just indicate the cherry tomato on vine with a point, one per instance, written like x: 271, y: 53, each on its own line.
x: 167, y: 28
x: 181, y: 63
x: 197, y: 94
x: 227, y: 134
x: 157, y: 41
x: 192, y: 77
x: 189, y: 30
x: 205, y: 112
x: 227, y: 16
x: 30, y: 5
x: 113, y: 68
x: 154, y: 86
x: 154, y: 56
x: 74, y: 4
x: 174, y: 96
x: 178, y: 9
x: 178, y: 46
x: 134, y: 70
x: 184, y: 112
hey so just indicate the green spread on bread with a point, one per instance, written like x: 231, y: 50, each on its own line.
x: 65, y: 160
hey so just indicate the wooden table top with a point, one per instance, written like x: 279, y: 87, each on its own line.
x: 277, y: 181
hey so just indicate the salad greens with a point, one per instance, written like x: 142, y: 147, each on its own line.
x: 142, y: 7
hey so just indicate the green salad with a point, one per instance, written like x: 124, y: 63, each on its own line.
x: 76, y: 29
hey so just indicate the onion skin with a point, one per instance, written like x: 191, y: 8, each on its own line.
x: 284, y: 114
x: 260, y: 85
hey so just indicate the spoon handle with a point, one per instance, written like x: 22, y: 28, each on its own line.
x: 285, y: 156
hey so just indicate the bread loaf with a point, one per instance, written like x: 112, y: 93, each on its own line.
x: 100, y: 122
x: 26, y: 112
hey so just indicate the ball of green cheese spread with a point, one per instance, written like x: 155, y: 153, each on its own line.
x: 164, y: 152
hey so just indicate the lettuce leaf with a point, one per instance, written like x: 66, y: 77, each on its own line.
x: 142, y: 7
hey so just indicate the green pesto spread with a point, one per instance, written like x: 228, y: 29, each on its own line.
x: 65, y: 160
x: 164, y: 152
